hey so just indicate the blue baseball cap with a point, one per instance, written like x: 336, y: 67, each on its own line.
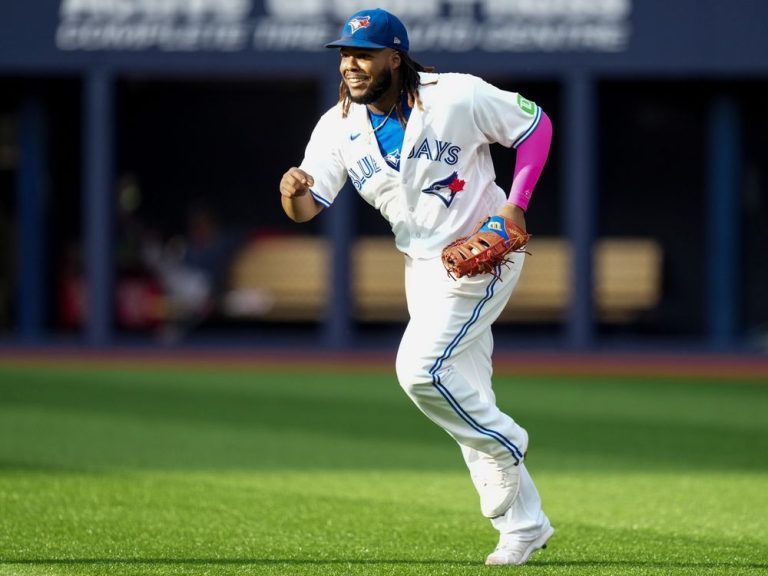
x: 373, y: 29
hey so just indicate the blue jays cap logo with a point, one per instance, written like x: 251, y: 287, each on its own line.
x: 356, y: 23
x: 372, y: 29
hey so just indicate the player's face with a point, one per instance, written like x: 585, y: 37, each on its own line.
x: 367, y: 73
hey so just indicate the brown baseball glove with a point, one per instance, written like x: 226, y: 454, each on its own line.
x: 483, y: 251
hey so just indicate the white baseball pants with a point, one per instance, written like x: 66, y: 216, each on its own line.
x: 444, y: 365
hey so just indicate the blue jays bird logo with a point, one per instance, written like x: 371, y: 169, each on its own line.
x: 356, y: 23
x: 446, y: 189
x: 393, y: 159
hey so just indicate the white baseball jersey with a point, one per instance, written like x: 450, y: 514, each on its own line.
x: 446, y: 182
x: 445, y: 185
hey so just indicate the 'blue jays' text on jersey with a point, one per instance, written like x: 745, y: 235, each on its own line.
x: 443, y: 182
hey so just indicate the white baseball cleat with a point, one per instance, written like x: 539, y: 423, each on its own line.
x: 516, y: 552
x: 497, y: 486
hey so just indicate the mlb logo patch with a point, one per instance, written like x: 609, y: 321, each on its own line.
x: 357, y: 23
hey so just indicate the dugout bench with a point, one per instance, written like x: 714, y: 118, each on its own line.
x: 291, y: 274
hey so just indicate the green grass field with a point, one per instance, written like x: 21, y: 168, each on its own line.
x: 197, y: 470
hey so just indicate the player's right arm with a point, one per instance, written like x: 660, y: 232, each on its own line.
x: 297, y: 201
x: 314, y: 185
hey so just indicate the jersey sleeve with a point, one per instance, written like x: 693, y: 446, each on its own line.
x: 322, y: 160
x: 501, y: 116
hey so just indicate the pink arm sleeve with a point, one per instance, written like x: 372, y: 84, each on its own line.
x: 531, y: 157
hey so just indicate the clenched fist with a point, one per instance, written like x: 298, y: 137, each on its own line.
x: 297, y: 204
x: 295, y: 183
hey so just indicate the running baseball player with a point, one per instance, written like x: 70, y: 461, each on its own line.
x: 415, y: 145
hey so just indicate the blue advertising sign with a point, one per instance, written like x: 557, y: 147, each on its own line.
x: 267, y: 35
x: 306, y: 25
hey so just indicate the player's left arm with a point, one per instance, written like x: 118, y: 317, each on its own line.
x: 513, y: 121
x: 531, y: 157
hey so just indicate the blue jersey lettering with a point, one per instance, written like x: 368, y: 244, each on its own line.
x: 436, y: 151
x: 367, y: 167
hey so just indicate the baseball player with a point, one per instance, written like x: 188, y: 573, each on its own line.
x: 415, y: 145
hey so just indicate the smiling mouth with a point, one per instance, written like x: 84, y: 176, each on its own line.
x: 356, y: 81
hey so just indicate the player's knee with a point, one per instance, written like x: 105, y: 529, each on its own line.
x: 414, y: 375
x: 410, y: 371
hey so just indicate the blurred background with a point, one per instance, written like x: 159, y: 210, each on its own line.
x: 142, y: 143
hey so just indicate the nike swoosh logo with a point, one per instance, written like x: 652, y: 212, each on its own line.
x: 354, y: 136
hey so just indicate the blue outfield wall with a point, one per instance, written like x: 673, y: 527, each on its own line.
x: 573, y: 41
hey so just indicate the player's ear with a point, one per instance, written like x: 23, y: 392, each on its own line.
x: 395, y: 60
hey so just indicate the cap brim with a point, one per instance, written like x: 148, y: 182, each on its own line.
x: 354, y: 43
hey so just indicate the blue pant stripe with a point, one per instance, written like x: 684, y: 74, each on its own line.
x: 464, y: 329
x: 446, y: 393
x: 469, y: 420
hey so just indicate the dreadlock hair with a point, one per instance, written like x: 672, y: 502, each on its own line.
x: 409, y: 85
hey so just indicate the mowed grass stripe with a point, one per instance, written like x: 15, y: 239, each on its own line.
x: 305, y: 472
x: 262, y: 520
